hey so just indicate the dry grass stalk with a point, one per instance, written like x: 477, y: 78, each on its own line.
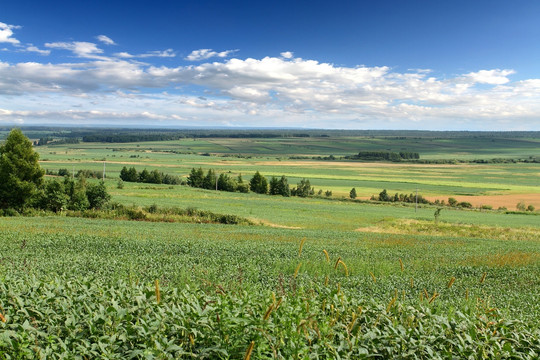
x: 401, y: 264
x: 373, y: 277
x: 337, y: 263
x: 483, y: 277
x: 249, y: 351
x: 344, y: 267
x: 158, y: 293
x: 296, y: 270
x: 392, y: 302
x: 268, y: 312
x: 301, y: 246
x: 412, y: 283
x: 467, y: 294
x: 327, y: 255
x: 451, y: 282
x: 435, y: 295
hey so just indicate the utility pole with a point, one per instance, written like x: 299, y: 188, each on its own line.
x: 416, y: 202
x: 104, y: 171
x: 216, y: 181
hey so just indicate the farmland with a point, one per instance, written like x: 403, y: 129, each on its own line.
x: 316, y: 277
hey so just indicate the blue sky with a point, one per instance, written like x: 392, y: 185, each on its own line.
x: 459, y: 65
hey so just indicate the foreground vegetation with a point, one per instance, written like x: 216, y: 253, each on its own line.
x: 88, y: 287
x: 173, y: 271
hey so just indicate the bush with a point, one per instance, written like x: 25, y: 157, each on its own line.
x: 521, y: 206
x: 258, y: 184
x: 97, y: 195
x: 531, y: 208
x: 465, y: 204
x: 452, y: 201
x: 352, y: 193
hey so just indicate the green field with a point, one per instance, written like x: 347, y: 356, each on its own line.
x: 395, y: 284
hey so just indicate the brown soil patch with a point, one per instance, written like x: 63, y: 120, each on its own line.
x: 360, y: 164
x: 111, y: 162
x: 509, y: 200
x: 512, y: 259
x: 268, y: 223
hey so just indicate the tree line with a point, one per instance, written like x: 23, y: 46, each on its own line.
x: 22, y: 185
x: 258, y: 184
x: 151, y: 177
x: 384, y: 156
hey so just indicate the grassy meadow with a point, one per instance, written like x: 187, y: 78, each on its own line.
x: 312, y: 278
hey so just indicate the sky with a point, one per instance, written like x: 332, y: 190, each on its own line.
x: 429, y: 65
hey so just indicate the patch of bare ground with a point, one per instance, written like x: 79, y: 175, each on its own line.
x: 110, y: 162
x: 442, y: 229
x: 311, y: 163
x: 268, y: 223
x: 507, y: 200
x: 512, y: 259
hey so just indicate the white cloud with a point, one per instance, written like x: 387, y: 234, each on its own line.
x: 287, y: 55
x: 493, y: 77
x: 168, y: 53
x: 6, y: 33
x: 270, y: 91
x: 204, y: 54
x: 80, y: 48
x: 105, y: 39
x: 32, y: 48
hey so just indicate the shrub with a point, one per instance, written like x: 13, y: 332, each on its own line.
x: 258, y: 184
x: 465, y: 204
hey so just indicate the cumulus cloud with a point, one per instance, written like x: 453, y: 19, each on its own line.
x: 105, y: 39
x: 287, y: 55
x: 277, y: 91
x: 493, y: 77
x: 204, y: 54
x: 32, y: 48
x: 6, y: 33
x: 168, y: 53
x: 81, y: 49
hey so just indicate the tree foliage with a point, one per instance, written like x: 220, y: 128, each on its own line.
x: 279, y: 186
x: 20, y: 173
x: 258, y: 184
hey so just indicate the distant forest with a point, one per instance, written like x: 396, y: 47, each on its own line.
x: 123, y: 135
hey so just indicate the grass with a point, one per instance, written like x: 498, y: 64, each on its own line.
x: 232, y: 271
x: 302, y: 278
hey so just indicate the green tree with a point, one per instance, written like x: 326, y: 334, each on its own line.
x: 195, y: 178
x: 209, y: 181
x: 304, y: 189
x: 383, y: 196
x: 97, y: 195
x: 20, y: 173
x: 258, y: 184
x: 241, y: 186
x: 279, y: 186
x: 54, y: 197
x: 352, y: 193
x: 129, y: 175
x: 78, y: 200
x: 452, y: 201
x: 521, y: 206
